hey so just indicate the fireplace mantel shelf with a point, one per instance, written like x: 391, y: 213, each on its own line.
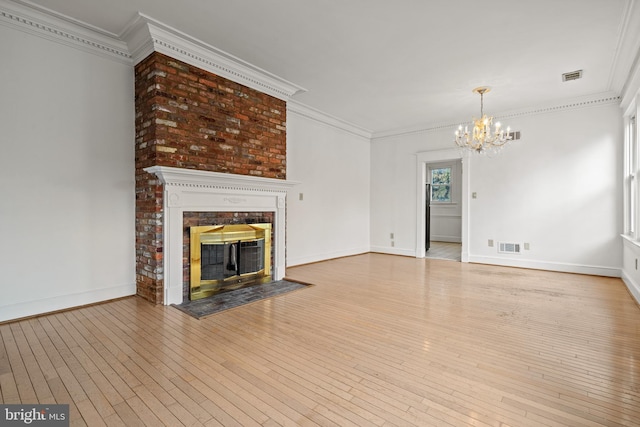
x: 197, y: 178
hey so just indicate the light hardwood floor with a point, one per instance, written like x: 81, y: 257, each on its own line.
x: 379, y: 340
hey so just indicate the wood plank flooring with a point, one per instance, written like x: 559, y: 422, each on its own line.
x: 378, y: 341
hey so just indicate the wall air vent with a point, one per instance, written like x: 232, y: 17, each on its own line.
x: 515, y: 135
x: 509, y: 248
x: 573, y: 75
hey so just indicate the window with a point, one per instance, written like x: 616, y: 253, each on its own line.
x: 440, y: 180
x: 631, y: 179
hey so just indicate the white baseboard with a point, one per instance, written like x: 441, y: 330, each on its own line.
x: 62, y: 302
x: 293, y: 261
x: 393, y: 251
x: 550, y: 266
x: 634, y: 287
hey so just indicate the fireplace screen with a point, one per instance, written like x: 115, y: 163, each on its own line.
x: 226, y: 257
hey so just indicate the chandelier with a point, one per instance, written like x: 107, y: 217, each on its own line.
x: 481, y: 139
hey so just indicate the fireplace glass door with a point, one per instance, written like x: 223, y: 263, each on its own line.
x: 220, y: 261
x: 228, y: 257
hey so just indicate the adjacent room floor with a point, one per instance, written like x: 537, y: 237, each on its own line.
x: 444, y: 250
x: 379, y: 340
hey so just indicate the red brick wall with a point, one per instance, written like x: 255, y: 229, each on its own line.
x: 189, y: 118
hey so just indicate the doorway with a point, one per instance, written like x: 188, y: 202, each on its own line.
x: 445, y: 213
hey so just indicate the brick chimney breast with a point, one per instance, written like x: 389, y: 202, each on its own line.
x: 189, y: 118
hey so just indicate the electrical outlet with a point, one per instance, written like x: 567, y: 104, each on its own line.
x: 490, y: 243
x: 393, y: 244
x: 526, y: 246
x: 301, y: 196
x: 391, y: 235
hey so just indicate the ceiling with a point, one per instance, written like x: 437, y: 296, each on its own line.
x: 383, y: 65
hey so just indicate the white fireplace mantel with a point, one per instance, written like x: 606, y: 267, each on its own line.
x: 188, y: 190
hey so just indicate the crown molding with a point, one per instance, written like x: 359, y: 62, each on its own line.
x: 44, y: 23
x: 627, y: 49
x: 561, y: 105
x: 142, y: 36
x: 302, y: 110
x: 603, y: 98
x: 421, y: 128
x: 630, y: 82
x: 145, y: 35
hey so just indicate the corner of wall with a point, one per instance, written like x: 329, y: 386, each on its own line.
x: 632, y: 286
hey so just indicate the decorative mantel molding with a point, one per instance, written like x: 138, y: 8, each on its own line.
x: 144, y: 35
x: 44, y: 23
x: 188, y: 190
x: 198, y: 178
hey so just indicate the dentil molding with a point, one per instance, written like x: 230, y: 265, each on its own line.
x: 180, y: 177
x: 142, y: 36
x: 587, y: 101
x: 145, y: 35
x: 43, y: 23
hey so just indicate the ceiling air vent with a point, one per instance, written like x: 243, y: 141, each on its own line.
x: 573, y: 75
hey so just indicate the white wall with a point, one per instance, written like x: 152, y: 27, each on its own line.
x: 66, y: 176
x: 557, y: 189
x: 332, y: 167
x: 393, y: 188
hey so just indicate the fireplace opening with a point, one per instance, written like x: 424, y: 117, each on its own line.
x: 225, y: 257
